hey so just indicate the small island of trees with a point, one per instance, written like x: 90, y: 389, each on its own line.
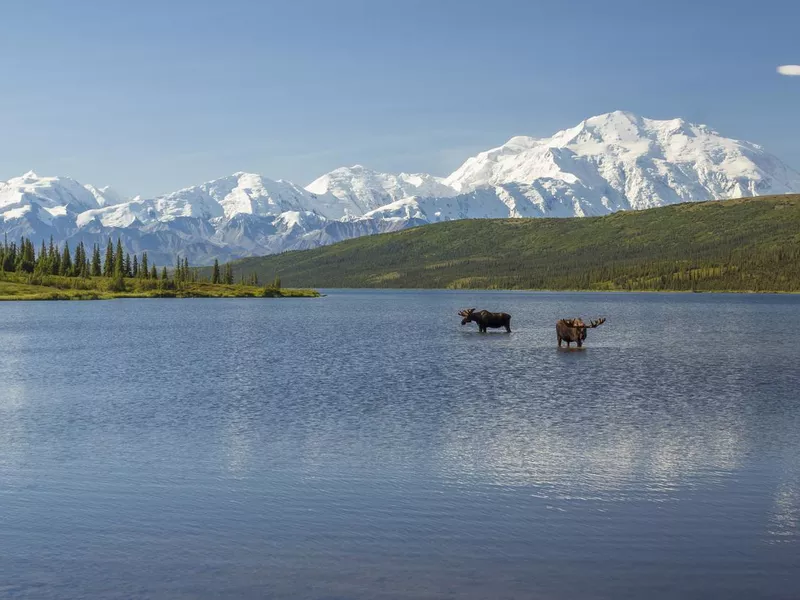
x: 57, y: 272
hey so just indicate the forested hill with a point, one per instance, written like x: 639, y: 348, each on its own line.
x: 750, y: 244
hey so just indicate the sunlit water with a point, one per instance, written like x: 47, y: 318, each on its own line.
x: 365, y: 445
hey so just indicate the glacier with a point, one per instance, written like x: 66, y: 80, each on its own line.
x: 610, y: 162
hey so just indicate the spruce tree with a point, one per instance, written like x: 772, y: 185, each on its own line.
x: 52, y: 258
x: 164, y: 274
x: 135, y: 268
x: 9, y: 260
x: 108, y: 265
x: 143, y: 267
x: 27, y: 257
x: 10, y: 263
x: 96, y: 272
x: 41, y: 261
x: 128, y: 270
x: 215, y: 272
x: 154, y: 273
x: 55, y: 263
x: 119, y: 260
x: 77, y: 262
x: 19, y: 254
x: 65, y: 268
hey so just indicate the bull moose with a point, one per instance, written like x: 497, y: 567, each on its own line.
x: 574, y: 330
x: 485, y: 319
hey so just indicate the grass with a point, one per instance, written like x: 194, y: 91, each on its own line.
x: 750, y: 244
x: 14, y: 286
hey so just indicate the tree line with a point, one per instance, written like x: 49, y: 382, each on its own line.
x: 113, y: 263
x: 53, y: 259
x: 225, y: 275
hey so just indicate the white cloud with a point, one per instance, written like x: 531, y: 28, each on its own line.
x: 789, y: 70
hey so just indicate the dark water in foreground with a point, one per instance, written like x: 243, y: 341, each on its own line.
x: 365, y: 445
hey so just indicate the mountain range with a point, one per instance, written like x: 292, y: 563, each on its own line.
x: 611, y: 162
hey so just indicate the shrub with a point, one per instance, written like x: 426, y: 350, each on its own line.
x: 117, y: 283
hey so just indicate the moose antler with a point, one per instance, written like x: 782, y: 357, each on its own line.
x: 573, y: 323
x: 465, y: 311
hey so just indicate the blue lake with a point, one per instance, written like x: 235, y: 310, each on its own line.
x: 366, y: 445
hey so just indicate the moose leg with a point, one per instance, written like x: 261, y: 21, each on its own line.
x: 559, y: 342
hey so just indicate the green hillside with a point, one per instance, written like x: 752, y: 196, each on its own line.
x: 750, y: 244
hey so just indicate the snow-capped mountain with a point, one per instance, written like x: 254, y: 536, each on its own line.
x: 615, y: 161
x: 366, y: 190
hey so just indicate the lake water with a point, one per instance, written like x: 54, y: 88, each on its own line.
x: 366, y: 445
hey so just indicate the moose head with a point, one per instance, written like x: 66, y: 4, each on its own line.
x: 467, y: 314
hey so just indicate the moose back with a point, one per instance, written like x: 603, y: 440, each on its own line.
x: 485, y: 319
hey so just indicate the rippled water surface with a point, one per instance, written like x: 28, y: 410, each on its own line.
x: 365, y: 445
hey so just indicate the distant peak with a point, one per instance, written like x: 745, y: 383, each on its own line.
x: 616, y: 115
x: 624, y: 113
x: 521, y: 141
x: 30, y: 175
x: 353, y: 169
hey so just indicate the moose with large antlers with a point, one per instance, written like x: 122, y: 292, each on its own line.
x: 574, y: 330
x: 485, y: 319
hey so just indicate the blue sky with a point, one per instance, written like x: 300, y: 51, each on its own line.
x: 153, y: 96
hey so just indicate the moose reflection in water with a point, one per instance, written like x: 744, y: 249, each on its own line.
x: 574, y: 330
x: 485, y: 319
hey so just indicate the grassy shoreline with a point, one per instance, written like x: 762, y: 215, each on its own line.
x: 569, y: 290
x: 17, y: 287
x: 14, y: 287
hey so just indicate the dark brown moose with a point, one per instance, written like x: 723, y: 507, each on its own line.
x: 485, y: 319
x: 574, y: 330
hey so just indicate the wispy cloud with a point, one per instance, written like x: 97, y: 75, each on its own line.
x: 791, y: 70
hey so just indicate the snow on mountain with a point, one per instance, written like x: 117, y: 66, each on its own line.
x: 247, y: 193
x: 543, y: 198
x: 46, y: 192
x: 621, y: 161
x: 365, y: 190
x: 106, y: 196
x: 615, y: 161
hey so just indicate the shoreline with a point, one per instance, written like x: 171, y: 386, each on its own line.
x: 57, y: 297
x: 21, y: 289
x: 562, y: 291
